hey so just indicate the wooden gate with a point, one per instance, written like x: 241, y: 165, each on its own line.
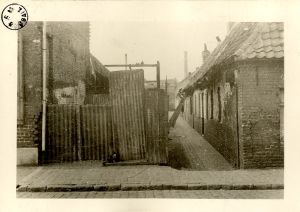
x: 156, y: 115
x: 126, y: 90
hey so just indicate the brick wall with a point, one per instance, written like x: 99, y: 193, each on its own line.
x: 70, y: 63
x: 32, y: 69
x: 67, y: 64
x: 259, y: 105
x: 28, y: 134
x: 220, y: 127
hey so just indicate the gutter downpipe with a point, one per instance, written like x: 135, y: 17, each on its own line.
x: 44, y: 101
x: 237, y: 118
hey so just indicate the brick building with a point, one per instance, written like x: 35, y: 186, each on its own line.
x: 235, y: 99
x: 72, y: 73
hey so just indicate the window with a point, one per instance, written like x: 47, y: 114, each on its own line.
x: 212, y: 104
x: 219, y: 104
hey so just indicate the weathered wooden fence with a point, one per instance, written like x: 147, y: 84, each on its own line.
x: 130, y: 121
x: 96, y: 131
x: 156, y: 125
x: 98, y: 99
x: 61, y: 134
x: 78, y: 132
x: 126, y: 90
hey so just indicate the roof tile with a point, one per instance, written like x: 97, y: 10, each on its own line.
x: 245, y: 41
x: 267, y: 42
x: 265, y: 35
x: 270, y: 55
x: 273, y: 26
x: 268, y: 48
x: 274, y: 34
x: 279, y: 54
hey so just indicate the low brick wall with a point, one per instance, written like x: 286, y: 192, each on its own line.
x: 29, y: 132
x: 223, y: 139
x: 28, y: 138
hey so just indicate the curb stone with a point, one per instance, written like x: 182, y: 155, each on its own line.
x: 22, y: 188
x: 103, y: 187
x: 114, y: 187
x: 36, y: 188
x: 142, y: 187
x: 134, y: 186
x: 197, y: 186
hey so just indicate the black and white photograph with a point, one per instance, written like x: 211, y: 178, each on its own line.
x: 101, y: 117
x: 152, y: 102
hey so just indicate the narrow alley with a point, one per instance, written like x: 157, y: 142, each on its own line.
x: 200, y: 155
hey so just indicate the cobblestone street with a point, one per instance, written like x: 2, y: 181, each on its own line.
x: 209, y: 194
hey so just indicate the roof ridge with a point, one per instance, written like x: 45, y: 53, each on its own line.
x: 246, y: 40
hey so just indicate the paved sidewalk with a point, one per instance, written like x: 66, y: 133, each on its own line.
x: 198, y: 152
x: 87, y: 176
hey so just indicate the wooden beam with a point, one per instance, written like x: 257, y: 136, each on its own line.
x: 158, y: 75
x: 131, y: 65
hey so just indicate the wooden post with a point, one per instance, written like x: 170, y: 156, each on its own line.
x: 44, y: 91
x: 157, y: 99
x: 78, y: 128
x: 125, y: 62
x: 166, y: 85
x: 158, y: 74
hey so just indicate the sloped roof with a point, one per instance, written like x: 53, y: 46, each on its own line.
x: 265, y: 42
x: 245, y: 41
x: 98, y: 67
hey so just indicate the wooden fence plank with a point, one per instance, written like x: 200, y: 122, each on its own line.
x: 126, y: 94
x: 156, y: 125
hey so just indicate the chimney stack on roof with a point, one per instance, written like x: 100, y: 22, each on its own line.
x: 186, y: 73
x: 205, y: 54
x: 218, y: 39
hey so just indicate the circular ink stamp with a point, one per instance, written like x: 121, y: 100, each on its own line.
x: 14, y: 16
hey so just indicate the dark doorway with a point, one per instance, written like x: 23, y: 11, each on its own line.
x: 202, y: 109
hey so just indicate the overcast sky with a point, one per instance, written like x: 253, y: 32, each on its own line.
x: 155, y: 41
